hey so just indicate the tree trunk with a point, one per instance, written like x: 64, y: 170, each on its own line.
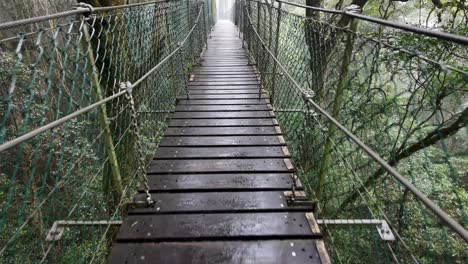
x: 338, y: 101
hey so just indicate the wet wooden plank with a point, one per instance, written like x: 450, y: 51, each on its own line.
x: 217, y: 165
x: 214, y: 53
x: 225, y: 64
x: 218, y: 252
x: 247, y: 79
x: 225, y: 96
x: 219, y: 202
x: 225, y: 68
x: 227, y: 54
x: 211, y: 108
x: 234, y: 70
x: 224, y: 91
x: 220, y: 152
x: 227, y: 61
x: 220, y: 182
x: 223, y: 102
x: 245, y: 114
x: 226, y: 83
x: 222, y: 131
x: 202, y: 227
x: 222, y: 76
x: 222, y: 141
x: 224, y: 87
x: 222, y: 122
x: 225, y: 71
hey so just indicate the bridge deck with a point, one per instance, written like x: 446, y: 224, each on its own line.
x: 220, y: 177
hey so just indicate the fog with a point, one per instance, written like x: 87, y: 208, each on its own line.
x: 225, y: 9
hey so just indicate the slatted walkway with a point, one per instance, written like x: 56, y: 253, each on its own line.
x: 221, y: 177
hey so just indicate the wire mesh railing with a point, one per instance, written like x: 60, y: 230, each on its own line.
x: 334, y: 86
x: 85, y: 98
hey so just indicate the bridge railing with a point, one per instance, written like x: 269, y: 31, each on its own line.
x: 85, y: 96
x: 371, y: 120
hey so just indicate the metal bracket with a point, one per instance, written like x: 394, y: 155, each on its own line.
x: 382, y: 226
x: 82, y: 5
x: 298, y: 198
x: 385, y: 232
x: 58, y: 228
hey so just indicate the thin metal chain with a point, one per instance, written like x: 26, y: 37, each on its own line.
x: 136, y: 131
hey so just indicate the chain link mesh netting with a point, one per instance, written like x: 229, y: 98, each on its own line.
x: 402, y: 94
x: 86, y: 168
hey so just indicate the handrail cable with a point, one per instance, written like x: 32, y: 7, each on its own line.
x: 418, y: 30
x: 128, y: 89
x: 454, y: 225
x: 81, y: 8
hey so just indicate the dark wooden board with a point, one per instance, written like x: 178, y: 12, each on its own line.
x: 224, y: 91
x: 224, y: 87
x: 219, y: 152
x: 225, y: 115
x: 224, y: 68
x: 253, y: 80
x: 230, y: 226
x: 222, y: 108
x: 222, y: 122
x: 222, y: 141
x: 223, y: 76
x: 213, y: 53
x: 222, y: 102
x: 221, y: 131
x: 225, y: 96
x: 218, y: 252
x: 217, y: 165
x: 225, y: 71
x: 226, y: 83
x: 220, y: 182
x: 216, y: 53
x: 219, y: 202
x: 225, y: 64
x: 229, y: 56
x: 225, y: 60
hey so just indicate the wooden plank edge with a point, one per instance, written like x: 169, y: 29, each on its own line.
x: 322, y: 252
x: 288, y: 164
x: 312, y: 223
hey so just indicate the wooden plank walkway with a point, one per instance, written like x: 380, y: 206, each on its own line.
x: 221, y: 178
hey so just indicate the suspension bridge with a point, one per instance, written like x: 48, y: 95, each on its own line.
x: 152, y: 132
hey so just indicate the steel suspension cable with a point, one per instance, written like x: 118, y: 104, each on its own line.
x: 418, y: 30
x: 81, y: 8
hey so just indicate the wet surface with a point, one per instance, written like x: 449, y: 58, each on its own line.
x: 219, y: 226
x: 246, y: 252
x: 220, y: 176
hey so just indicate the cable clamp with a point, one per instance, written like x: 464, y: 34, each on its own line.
x: 89, y: 7
x: 308, y: 95
x: 128, y: 86
x: 353, y: 9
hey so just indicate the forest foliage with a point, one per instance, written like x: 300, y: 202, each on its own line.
x: 402, y: 94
